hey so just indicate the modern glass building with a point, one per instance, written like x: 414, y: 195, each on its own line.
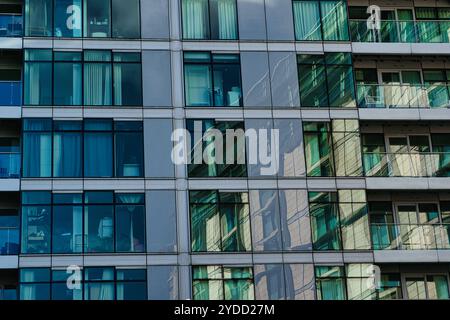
x: 91, y: 92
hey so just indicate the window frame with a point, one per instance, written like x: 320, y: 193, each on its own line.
x: 115, y: 202
x: 83, y: 62
x: 209, y: 37
x: 211, y: 64
x: 82, y: 22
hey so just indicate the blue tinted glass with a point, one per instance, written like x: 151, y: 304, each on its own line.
x: 67, y: 22
x: 37, y: 124
x: 36, y: 197
x: 34, y: 275
x: 99, y: 274
x: 99, y: 197
x: 98, y: 155
x: 67, y: 198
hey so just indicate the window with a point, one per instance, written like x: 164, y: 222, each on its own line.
x: 333, y: 153
x: 212, y: 80
x: 97, y: 78
x: 321, y: 20
x: 222, y: 283
x: 209, y: 156
x: 209, y: 19
x: 38, y: 18
x: 36, y: 217
x: 129, y: 151
x: 325, y: 227
x: 220, y: 221
x: 67, y: 70
x: 90, y: 18
x: 59, y: 288
x: 37, y: 148
x: 430, y: 287
x: 75, y: 152
x: 103, y: 77
x: 67, y: 18
x: 339, y: 220
x: 127, y: 79
x: 38, y: 77
x: 96, y: 283
x: 433, y: 24
x: 131, y: 284
x: 390, y: 287
x: 330, y: 283
x: 318, y: 150
x: 326, y: 81
x: 34, y: 284
x: 361, y: 283
x: 67, y: 149
x: 126, y: 25
x: 98, y: 148
x: 130, y: 223
x: 67, y: 224
x: 96, y: 222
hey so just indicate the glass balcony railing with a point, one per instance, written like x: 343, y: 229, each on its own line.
x: 407, y: 164
x: 402, y: 31
x: 11, y: 25
x: 410, y: 236
x: 9, y: 241
x: 10, y: 165
x: 403, y: 96
x: 10, y: 93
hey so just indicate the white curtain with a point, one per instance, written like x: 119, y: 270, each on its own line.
x: 195, y: 19
x: 98, y: 84
x: 307, y: 20
x: 227, y: 19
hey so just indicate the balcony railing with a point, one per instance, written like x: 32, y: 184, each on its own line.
x: 403, y: 96
x: 10, y: 93
x: 11, y: 25
x: 10, y: 165
x: 9, y: 241
x: 410, y: 236
x: 428, y: 31
x: 407, y: 164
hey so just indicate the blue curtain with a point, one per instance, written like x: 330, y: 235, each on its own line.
x: 98, y: 153
x: 37, y: 154
x: 67, y: 155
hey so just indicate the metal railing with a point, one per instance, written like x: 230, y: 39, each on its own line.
x: 427, y: 164
x: 10, y: 93
x: 403, y: 96
x: 9, y: 241
x: 410, y: 236
x: 10, y: 165
x: 425, y: 31
x: 11, y: 25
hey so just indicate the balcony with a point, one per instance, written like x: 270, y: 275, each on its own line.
x: 10, y: 93
x: 410, y: 236
x: 9, y: 241
x: 407, y: 164
x: 10, y: 165
x: 11, y: 25
x: 403, y: 96
x: 428, y: 31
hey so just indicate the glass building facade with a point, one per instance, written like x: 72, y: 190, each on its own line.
x: 315, y: 150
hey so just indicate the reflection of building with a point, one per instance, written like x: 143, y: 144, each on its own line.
x: 89, y: 99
